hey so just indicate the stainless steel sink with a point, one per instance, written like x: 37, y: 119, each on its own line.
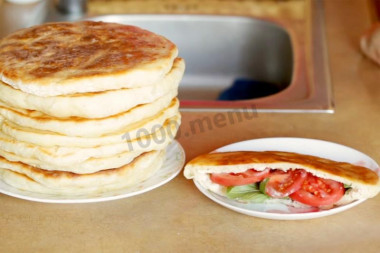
x: 221, y: 51
x: 235, y: 62
x: 241, y: 62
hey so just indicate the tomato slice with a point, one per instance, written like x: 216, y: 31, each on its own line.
x: 233, y: 179
x: 317, y: 191
x: 282, y: 184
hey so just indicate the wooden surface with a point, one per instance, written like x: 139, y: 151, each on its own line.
x: 178, y: 218
x: 260, y: 8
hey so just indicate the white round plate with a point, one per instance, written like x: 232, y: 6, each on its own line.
x: 314, y: 147
x: 175, y: 159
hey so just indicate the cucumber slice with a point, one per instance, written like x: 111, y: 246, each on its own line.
x: 262, y: 186
x: 250, y: 193
x: 254, y: 197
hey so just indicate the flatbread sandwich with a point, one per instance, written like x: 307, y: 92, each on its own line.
x: 293, y: 178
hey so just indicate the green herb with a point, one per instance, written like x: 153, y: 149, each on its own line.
x: 346, y: 186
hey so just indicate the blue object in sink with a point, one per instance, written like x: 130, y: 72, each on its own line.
x: 248, y: 89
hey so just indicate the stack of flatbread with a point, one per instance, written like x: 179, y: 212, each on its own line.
x: 86, y: 107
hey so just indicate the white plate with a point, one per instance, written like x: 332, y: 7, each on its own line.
x: 175, y: 159
x: 277, y: 211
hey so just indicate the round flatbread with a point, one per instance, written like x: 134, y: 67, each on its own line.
x: 90, y: 165
x: 66, y: 156
x: 66, y: 58
x: 29, y: 178
x: 90, y: 128
x: 95, y: 104
x: 49, y: 139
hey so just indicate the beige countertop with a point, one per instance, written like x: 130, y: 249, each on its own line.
x: 178, y: 218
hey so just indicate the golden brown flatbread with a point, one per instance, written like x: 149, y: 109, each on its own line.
x: 86, y: 107
x: 78, y: 105
x: 30, y: 178
x: 67, y: 157
x: 81, y: 127
x: 66, y: 58
x: 51, y: 139
x: 277, y: 159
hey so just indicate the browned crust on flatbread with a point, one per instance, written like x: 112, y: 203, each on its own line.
x: 62, y: 51
x: 341, y: 169
x: 38, y: 116
x: 52, y: 174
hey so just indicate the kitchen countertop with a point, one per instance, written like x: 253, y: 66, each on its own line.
x: 176, y: 217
